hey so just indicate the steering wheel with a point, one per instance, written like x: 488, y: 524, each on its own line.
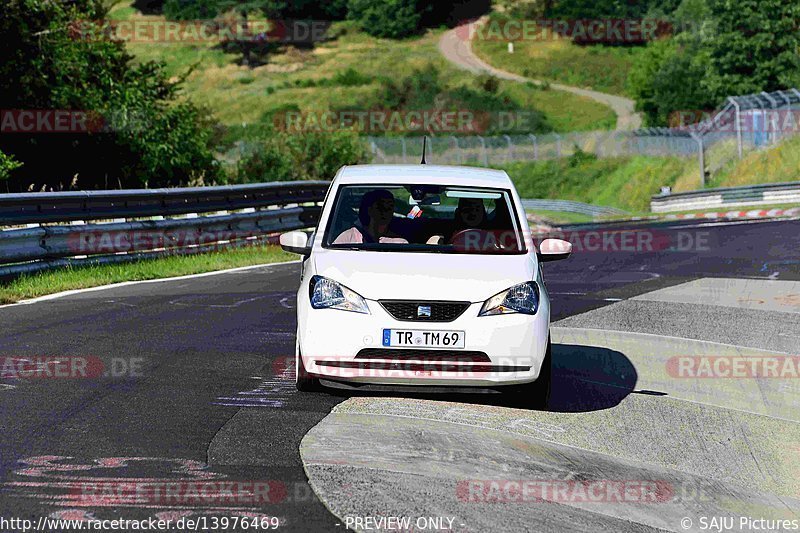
x: 472, y: 238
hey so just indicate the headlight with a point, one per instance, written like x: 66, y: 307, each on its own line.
x: 327, y: 294
x: 522, y: 298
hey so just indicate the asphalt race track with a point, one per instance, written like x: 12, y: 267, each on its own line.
x: 198, y: 392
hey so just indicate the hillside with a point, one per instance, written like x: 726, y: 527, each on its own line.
x: 555, y: 59
x: 629, y: 182
x: 346, y: 72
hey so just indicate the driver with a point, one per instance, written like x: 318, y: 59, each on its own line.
x: 470, y: 214
x: 374, y: 217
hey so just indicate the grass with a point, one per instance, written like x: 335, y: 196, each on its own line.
x: 561, y: 217
x: 598, y: 67
x: 243, y: 95
x: 774, y: 165
x: 50, y: 282
x: 625, y: 182
x: 629, y: 182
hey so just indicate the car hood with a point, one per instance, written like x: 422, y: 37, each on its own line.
x: 424, y: 276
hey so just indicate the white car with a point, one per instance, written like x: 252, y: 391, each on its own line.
x: 423, y: 275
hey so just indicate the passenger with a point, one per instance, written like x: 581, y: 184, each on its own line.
x: 374, y: 216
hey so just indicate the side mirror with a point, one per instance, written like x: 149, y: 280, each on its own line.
x: 554, y: 250
x: 296, y: 242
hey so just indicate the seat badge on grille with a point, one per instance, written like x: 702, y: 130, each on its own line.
x: 423, y: 311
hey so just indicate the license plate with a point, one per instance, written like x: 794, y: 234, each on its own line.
x: 418, y: 338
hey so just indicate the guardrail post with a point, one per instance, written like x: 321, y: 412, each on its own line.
x: 701, y: 157
x: 535, y: 146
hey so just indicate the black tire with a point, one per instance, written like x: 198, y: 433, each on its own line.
x: 537, y: 393
x: 304, y: 381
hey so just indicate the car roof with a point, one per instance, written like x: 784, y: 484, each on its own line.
x: 423, y: 174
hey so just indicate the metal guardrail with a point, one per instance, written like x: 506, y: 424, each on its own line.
x: 571, y: 207
x: 85, y: 205
x: 769, y: 193
x: 49, y: 230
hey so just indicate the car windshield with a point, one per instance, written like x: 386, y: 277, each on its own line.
x: 424, y: 218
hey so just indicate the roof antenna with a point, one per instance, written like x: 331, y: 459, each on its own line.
x: 424, y: 150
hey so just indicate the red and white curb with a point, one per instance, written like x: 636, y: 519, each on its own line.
x: 755, y: 213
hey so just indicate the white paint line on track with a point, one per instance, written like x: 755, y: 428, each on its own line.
x: 127, y: 283
x: 733, y: 223
x: 569, y: 293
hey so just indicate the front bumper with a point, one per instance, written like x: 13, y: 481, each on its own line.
x: 514, y: 346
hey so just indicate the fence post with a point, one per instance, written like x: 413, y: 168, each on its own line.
x: 702, y: 157
x: 558, y: 144
x: 510, y: 148
x: 458, y: 150
x: 403, y: 144
x: 797, y: 93
x: 485, y: 153
x: 374, y: 149
x: 535, y: 146
x: 778, y: 129
x: 738, y: 124
x: 773, y: 105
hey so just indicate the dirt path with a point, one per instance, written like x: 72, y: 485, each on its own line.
x: 458, y: 50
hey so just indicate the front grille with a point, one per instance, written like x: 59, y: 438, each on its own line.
x: 408, y: 310
x: 460, y: 356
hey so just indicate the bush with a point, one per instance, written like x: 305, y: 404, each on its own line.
x: 350, y: 78
x: 270, y: 161
x: 307, y: 156
x: 392, y: 19
x: 487, y: 83
x: 492, y: 108
x: 191, y: 9
x: 7, y: 165
x: 416, y: 91
x: 277, y: 9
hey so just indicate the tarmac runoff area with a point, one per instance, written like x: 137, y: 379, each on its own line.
x: 656, y: 423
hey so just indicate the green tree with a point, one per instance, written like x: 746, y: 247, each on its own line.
x: 51, y: 57
x: 668, y: 78
x: 756, y: 46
